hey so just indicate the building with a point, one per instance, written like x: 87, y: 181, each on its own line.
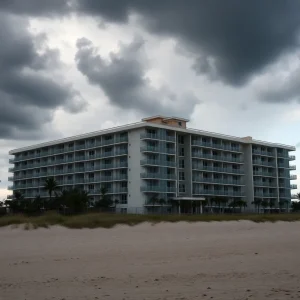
x: 157, y: 158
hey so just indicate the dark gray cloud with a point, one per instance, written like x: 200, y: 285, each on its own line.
x: 282, y: 90
x: 36, y: 7
x: 123, y: 79
x: 28, y: 93
x: 229, y: 40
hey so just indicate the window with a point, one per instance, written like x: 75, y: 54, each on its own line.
x: 123, y: 199
x: 181, y: 163
x: 181, y: 139
x: 180, y: 123
x: 181, y: 176
x: 181, y: 152
x: 124, y: 184
x: 181, y: 188
x: 91, y: 153
x: 91, y: 187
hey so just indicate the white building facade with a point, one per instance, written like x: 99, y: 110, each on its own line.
x: 158, y: 157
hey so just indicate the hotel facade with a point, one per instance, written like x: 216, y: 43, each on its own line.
x: 159, y: 158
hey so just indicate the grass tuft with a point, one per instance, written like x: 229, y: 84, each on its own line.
x: 102, y: 220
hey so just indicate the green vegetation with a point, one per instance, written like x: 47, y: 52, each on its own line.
x: 105, y: 220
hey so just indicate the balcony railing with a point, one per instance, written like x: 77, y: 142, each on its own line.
x: 292, y: 167
x: 293, y: 177
x: 218, y: 181
x: 215, y: 146
x: 158, y: 149
x: 265, y: 195
x: 263, y: 163
x: 147, y: 135
x: 218, y: 169
x: 264, y: 183
x: 157, y: 162
x: 217, y: 157
x: 292, y: 157
x: 218, y: 193
x: 265, y: 153
x: 162, y: 189
x: 158, y: 176
x: 264, y: 173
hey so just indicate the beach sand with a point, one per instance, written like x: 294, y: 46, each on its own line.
x: 225, y: 260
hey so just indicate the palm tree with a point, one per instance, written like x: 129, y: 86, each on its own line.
x: 271, y: 204
x: 224, y: 202
x: 264, y: 204
x: 298, y: 196
x: 257, y: 204
x: 233, y: 204
x: 218, y: 202
x: 50, y: 185
x: 241, y: 204
x: 161, y: 202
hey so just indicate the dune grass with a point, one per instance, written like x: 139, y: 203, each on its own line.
x: 102, y: 220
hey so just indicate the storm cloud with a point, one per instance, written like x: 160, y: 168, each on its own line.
x: 230, y: 41
x: 28, y: 93
x: 123, y: 79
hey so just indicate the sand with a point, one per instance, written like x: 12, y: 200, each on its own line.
x: 227, y: 260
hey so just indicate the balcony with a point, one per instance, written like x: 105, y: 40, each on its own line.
x: 265, y: 183
x: 157, y: 162
x: 293, y: 177
x: 293, y: 186
x: 218, y: 193
x: 80, y: 147
x: 287, y: 196
x: 265, y: 195
x: 264, y: 153
x: 292, y: 157
x: 217, y: 169
x: 157, y: 149
x: 264, y: 173
x: 264, y: 163
x: 147, y: 135
x: 292, y: 167
x: 158, y: 176
x: 158, y: 189
x: 218, y: 181
x: 215, y: 146
x: 11, y: 170
x: 216, y: 157
x: 121, y: 152
x: 283, y: 165
x: 120, y: 190
x: 121, y: 139
x: 11, y: 178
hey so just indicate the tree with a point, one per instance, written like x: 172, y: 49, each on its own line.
x: 233, y: 204
x: 257, y: 204
x: 105, y: 201
x: 271, y: 204
x: 50, y: 185
x: 264, y: 204
x: 298, y: 196
x: 75, y: 201
x: 241, y: 204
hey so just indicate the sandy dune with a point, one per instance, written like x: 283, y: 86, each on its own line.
x: 233, y: 260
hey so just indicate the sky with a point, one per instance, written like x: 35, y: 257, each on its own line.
x: 74, y: 66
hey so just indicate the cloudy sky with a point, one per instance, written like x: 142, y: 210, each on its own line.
x: 74, y: 66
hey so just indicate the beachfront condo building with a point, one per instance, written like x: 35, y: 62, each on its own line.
x: 157, y: 158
